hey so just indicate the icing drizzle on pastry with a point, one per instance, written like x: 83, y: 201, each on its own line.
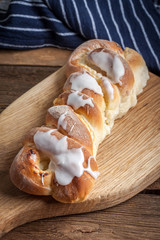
x: 80, y: 81
x: 108, y: 87
x: 77, y: 101
x: 33, y: 157
x: 66, y: 163
x: 62, y: 121
x: 111, y: 64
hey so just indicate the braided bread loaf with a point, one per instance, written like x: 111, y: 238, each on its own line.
x: 103, y: 82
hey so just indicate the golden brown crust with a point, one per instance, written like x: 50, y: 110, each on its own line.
x: 139, y: 69
x: 26, y: 174
x: 133, y: 58
x: 78, y: 189
x: 70, y: 125
x: 27, y: 171
x: 92, y: 114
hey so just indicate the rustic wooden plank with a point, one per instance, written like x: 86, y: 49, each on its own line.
x: 39, y: 57
x: 138, y: 218
x: 16, y: 80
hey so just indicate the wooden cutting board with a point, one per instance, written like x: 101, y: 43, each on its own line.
x: 128, y: 159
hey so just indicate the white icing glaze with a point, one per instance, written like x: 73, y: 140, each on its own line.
x: 103, y: 60
x: 71, y: 129
x: 110, y: 64
x: 77, y: 101
x: 94, y: 174
x: 108, y: 87
x: 62, y: 121
x: 33, y: 157
x: 66, y: 163
x: 118, y: 69
x: 84, y: 80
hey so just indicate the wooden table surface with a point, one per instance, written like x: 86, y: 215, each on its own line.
x: 137, y: 218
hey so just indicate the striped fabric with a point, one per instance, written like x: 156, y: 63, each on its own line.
x: 157, y: 5
x: 30, y: 24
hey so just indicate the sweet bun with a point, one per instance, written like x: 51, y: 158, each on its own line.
x: 58, y: 159
x: 53, y: 164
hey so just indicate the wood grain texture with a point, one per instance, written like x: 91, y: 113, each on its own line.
x: 145, y: 111
x: 136, y: 219
x: 16, y: 80
x: 42, y: 57
x: 155, y: 185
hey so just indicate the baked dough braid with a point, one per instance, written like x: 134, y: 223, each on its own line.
x: 58, y: 159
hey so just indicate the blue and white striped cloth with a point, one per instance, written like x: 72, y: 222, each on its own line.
x: 30, y: 24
